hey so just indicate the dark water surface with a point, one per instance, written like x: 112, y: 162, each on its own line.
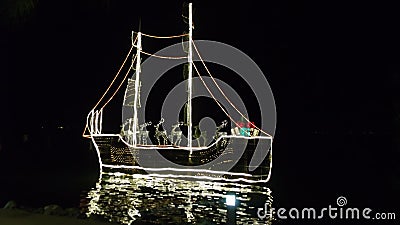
x: 124, y: 198
x: 308, y: 171
x: 39, y: 177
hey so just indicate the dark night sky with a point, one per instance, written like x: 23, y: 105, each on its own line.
x: 333, y: 68
x: 334, y: 65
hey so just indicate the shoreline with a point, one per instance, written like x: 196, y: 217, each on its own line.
x: 22, y: 217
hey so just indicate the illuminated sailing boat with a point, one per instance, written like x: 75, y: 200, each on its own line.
x: 244, y: 154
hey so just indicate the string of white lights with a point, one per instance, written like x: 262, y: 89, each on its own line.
x: 201, y: 177
x: 178, y: 170
x: 164, y: 57
x: 119, y: 86
x: 172, y: 36
x: 109, y: 86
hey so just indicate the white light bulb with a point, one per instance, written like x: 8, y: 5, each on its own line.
x: 230, y: 200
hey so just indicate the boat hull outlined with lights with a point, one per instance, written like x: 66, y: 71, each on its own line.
x: 228, y: 152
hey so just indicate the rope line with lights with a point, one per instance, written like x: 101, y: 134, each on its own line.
x: 219, y: 104
x: 111, y: 84
x: 164, y: 37
x: 223, y: 93
x: 164, y: 57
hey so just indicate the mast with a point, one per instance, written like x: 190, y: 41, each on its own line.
x: 189, y: 101
x: 135, y: 119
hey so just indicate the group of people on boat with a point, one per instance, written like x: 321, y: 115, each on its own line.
x: 245, y: 129
x: 175, y: 137
x: 161, y: 136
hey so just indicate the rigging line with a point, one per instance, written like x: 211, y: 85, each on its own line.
x: 86, y: 128
x: 173, y: 36
x: 164, y: 57
x: 219, y: 104
x: 112, y: 82
x: 85, y: 135
x: 223, y: 93
x: 120, y: 85
x: 112, y: 96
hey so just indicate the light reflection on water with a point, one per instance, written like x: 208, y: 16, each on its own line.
x: 128, y: 198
